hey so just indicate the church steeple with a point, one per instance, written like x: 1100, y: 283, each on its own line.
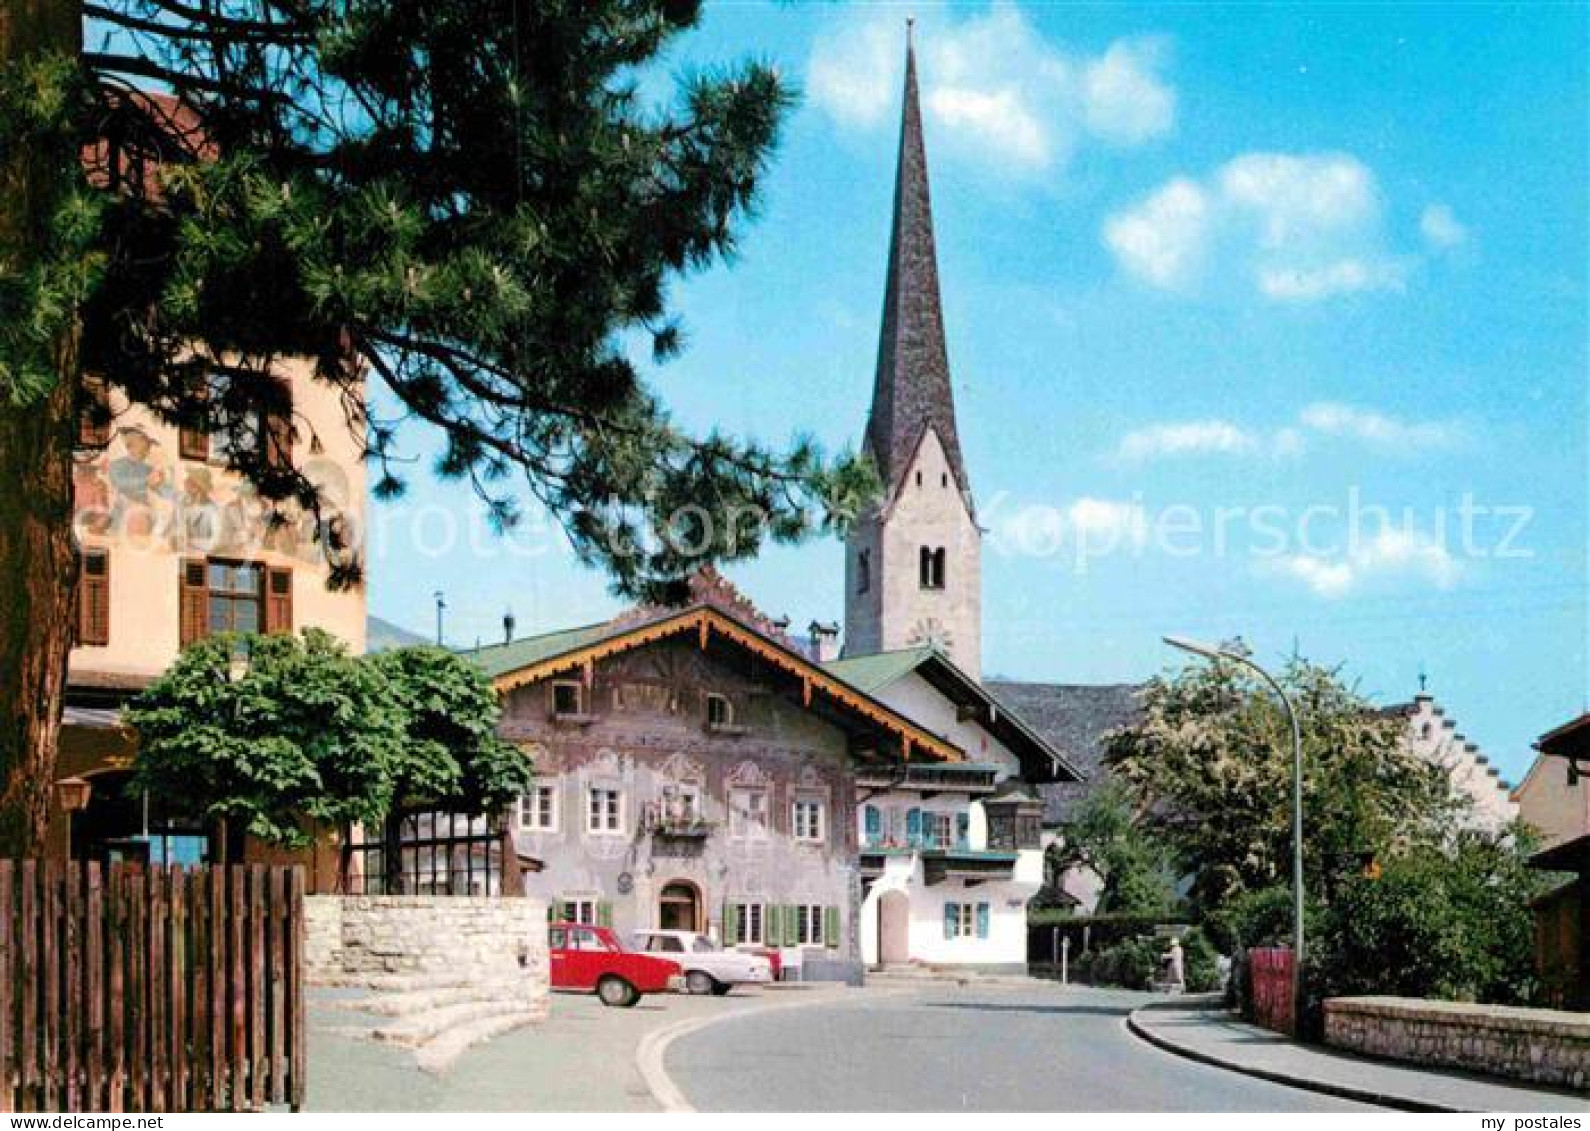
x: 911, y: 391
x: 914, y: 569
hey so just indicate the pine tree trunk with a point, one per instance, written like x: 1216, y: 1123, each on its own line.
x: 38, y: 571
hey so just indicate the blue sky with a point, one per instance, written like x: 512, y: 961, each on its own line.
x: 1196, y: 260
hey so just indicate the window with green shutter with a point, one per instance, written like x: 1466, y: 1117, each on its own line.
x: 604, y: 913
x: 731, y: 924
x: 952, y: 919
x: 982, y: 920
x: 831, y: 926
x: 772, y: 922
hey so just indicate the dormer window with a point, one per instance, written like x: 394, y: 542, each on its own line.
x: 930, y: 567
x: 568, y: 699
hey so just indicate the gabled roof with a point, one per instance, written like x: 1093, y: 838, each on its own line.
x: 538, y: 658
x: 1040, y: 760
x: 1572, y: 738
x: 911, y: 390
x: 1074, y: 718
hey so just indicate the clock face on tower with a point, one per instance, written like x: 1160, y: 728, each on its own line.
x: 931, y: 630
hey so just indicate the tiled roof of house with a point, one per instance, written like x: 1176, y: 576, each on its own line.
x: 1041, y: 761
x: 911, y: 391
x: 1073, y: 718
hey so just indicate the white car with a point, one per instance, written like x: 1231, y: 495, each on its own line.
x: 709, y: 969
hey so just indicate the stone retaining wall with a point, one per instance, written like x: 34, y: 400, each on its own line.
x: 359, y: 936
x: 1540, y: 1045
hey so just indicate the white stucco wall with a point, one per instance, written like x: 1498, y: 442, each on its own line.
x: 895, y: 611
x: 1435, y: 737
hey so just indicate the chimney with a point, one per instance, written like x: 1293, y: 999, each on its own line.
x: 824, y: 641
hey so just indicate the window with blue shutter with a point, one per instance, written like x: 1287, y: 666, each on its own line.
x: 952, y: 918
x: 873, y: 822
x: 963, y: 828
x: 913, y: 828
x: 982, y: 920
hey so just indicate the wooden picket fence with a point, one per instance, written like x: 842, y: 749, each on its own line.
x: 134, y: 988
x: 1274, y: 1005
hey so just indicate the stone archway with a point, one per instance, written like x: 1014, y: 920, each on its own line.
x: 679, y: 906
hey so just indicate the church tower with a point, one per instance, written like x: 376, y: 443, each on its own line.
x: 913, y: 572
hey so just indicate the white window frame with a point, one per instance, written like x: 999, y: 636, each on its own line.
x: 947, y: 821
x: 584, y: 908
x: 728, y: 710
x: 747, y: 933
x: 810, y: 831
x: 527, y: 809
x: 809, y: 924
x: 601, y: 822
x: 579, y: 697
x: 965, y: 919
x: 741, y: 825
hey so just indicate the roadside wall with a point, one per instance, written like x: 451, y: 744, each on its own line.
x: 1543, y: 1046
x: 488, y: 940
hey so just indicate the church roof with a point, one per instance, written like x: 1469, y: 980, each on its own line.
x: 911, y: 391
x: 1073, y: 718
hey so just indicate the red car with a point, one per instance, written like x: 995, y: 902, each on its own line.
x: 586, y: 958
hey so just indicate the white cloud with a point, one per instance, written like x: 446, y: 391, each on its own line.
x: 1193, y: 437
x: 1377, y: 428
x: 1124, y: 99
x: 1441, y: 228
x: 1214, y: 436
x: 1392, y: 554
x: 993, y: 89
x: 999, y: 117
x: 1038, y: 529
x: 1295, y: 227
x: 1163, y: 239
x: 1109, y: 520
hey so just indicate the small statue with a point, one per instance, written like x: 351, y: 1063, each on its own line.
x: 1175, y: 965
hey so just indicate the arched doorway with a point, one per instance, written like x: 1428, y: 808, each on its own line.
x: 679, y: 907
x: 894, y: 928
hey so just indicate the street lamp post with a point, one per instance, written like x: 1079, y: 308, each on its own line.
x: 1211, y: 652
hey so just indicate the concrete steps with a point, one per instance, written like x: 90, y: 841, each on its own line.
x: 438, y: 1054
x: 437, y: 1016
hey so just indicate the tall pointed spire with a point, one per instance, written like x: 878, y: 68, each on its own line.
x: 911, y: 391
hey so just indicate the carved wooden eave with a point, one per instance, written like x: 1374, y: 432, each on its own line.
x: 706, y: 623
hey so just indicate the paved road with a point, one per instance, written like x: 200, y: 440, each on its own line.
x: 1030, y: 1049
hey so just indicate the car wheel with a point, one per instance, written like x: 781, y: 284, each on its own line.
x: 699, y: 982
x: 617, y: 992
x: 721, y: 988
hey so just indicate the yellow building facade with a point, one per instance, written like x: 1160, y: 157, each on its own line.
x: 173, y: 547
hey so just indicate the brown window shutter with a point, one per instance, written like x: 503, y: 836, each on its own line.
x: 93, y: 414
x: 194, y: 614
x: 278, y: 600
x: 93, y: 597
x: 194, y: 443
x: 279, y: 439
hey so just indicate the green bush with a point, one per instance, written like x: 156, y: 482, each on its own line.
x: 1442, y: 921
x: 1201, y: 960
x: 1131, y: 963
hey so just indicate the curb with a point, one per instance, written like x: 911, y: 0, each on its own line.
x: 653, y: 1047
x: 1146, y: 1032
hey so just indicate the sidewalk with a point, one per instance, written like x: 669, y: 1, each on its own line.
x: 1203, y: 1031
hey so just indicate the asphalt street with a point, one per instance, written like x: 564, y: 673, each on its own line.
x: 960, y: 1049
